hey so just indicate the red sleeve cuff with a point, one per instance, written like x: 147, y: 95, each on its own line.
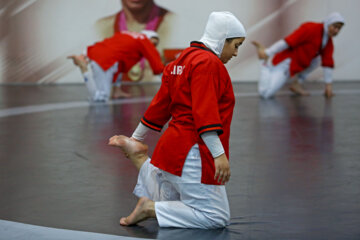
x: 151, y: 125
x: 211, y: 128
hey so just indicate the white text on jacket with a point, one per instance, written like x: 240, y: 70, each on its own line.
x: 177, y: 70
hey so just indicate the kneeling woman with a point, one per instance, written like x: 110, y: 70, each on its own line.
x: 183, y: 184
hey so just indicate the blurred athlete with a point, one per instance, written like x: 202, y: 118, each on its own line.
x: 136, y: 16
x: 105, y: 60
x: 299, y: 53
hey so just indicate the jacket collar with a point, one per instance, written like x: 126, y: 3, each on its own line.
x: 200, y: 45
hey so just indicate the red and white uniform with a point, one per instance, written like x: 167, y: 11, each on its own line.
x: 197, y: 94
x: 305, y: 43
x: 299, y: 53
x: 116, y: 55
x: 126, y: 49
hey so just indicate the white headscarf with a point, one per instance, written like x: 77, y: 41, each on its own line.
x: 330, y: 19
x: 150, y: 34
x: 220, y: 26
x: 333, y: 18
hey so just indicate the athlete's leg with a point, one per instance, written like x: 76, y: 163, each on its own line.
x: 117, y: 92
x: 108, y: 83
x: 268, y: 80
x: 296, y: 86
x: 264, y: 68
x: 277, y: 77
x: 264, y: 80
x: 136, y: 151
x: 200, y: 205
x: 87, y: 72
x: 80, y: 61
x: 150, y: 186
x: 179, y: 201
x: 145, y: 208
x: 260, y: 49
x: 305, y: 73
x: 103, y: 79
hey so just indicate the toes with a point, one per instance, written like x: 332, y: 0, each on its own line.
x: 118, y: 140
x: 123, y: 221
x: 112, y: 140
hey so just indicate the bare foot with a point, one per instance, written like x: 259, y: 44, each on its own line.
x: 296, y: 88
x: 80, y: 61
x: 118, y: 93
x: 260, y: 50
x: 135, y: 150
x: 145, y: 208
x: 328, y: 91
x: 329, y: 94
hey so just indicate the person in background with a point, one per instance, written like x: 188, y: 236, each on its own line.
x: 299, y: 54
x: 182, y: 185
x: 136, y: 16
x: 105, y: 60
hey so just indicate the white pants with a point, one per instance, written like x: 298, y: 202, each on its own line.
x: 99, y: 82
x: 272, y: 78
x: 184, y: 202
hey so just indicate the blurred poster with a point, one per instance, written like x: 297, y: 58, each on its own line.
x: 37, y: 35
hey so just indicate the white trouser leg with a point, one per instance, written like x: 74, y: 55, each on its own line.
x: 118, y: 80
x: 103, y: 80
x: 272, y: 78
x: 152, y: 185
x: 200, y: 206
x: 263, y: 84
x: 90, y: 85
x: 184, y: 201
x: 313, y: 65
x: 108, y: 83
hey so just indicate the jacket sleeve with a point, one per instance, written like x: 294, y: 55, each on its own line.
x: 205, y: 94
x: 150, y: 52
x: 327, y: 59
x: 158, y: 112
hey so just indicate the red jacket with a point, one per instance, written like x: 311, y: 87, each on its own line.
x: 127, y: 48
x: 197, y: 94
x: 304, y: 45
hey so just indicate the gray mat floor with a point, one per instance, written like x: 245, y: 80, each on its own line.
x: 295, y: 165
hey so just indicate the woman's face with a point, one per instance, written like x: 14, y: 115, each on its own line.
x: 231, y: 49
x: 334, y: 29
x: 154, y: 40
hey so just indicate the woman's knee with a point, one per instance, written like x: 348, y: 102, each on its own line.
x: 217, y: 220
x: 266, y: 94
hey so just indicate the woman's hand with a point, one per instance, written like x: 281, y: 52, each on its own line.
x: 222, y: 169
